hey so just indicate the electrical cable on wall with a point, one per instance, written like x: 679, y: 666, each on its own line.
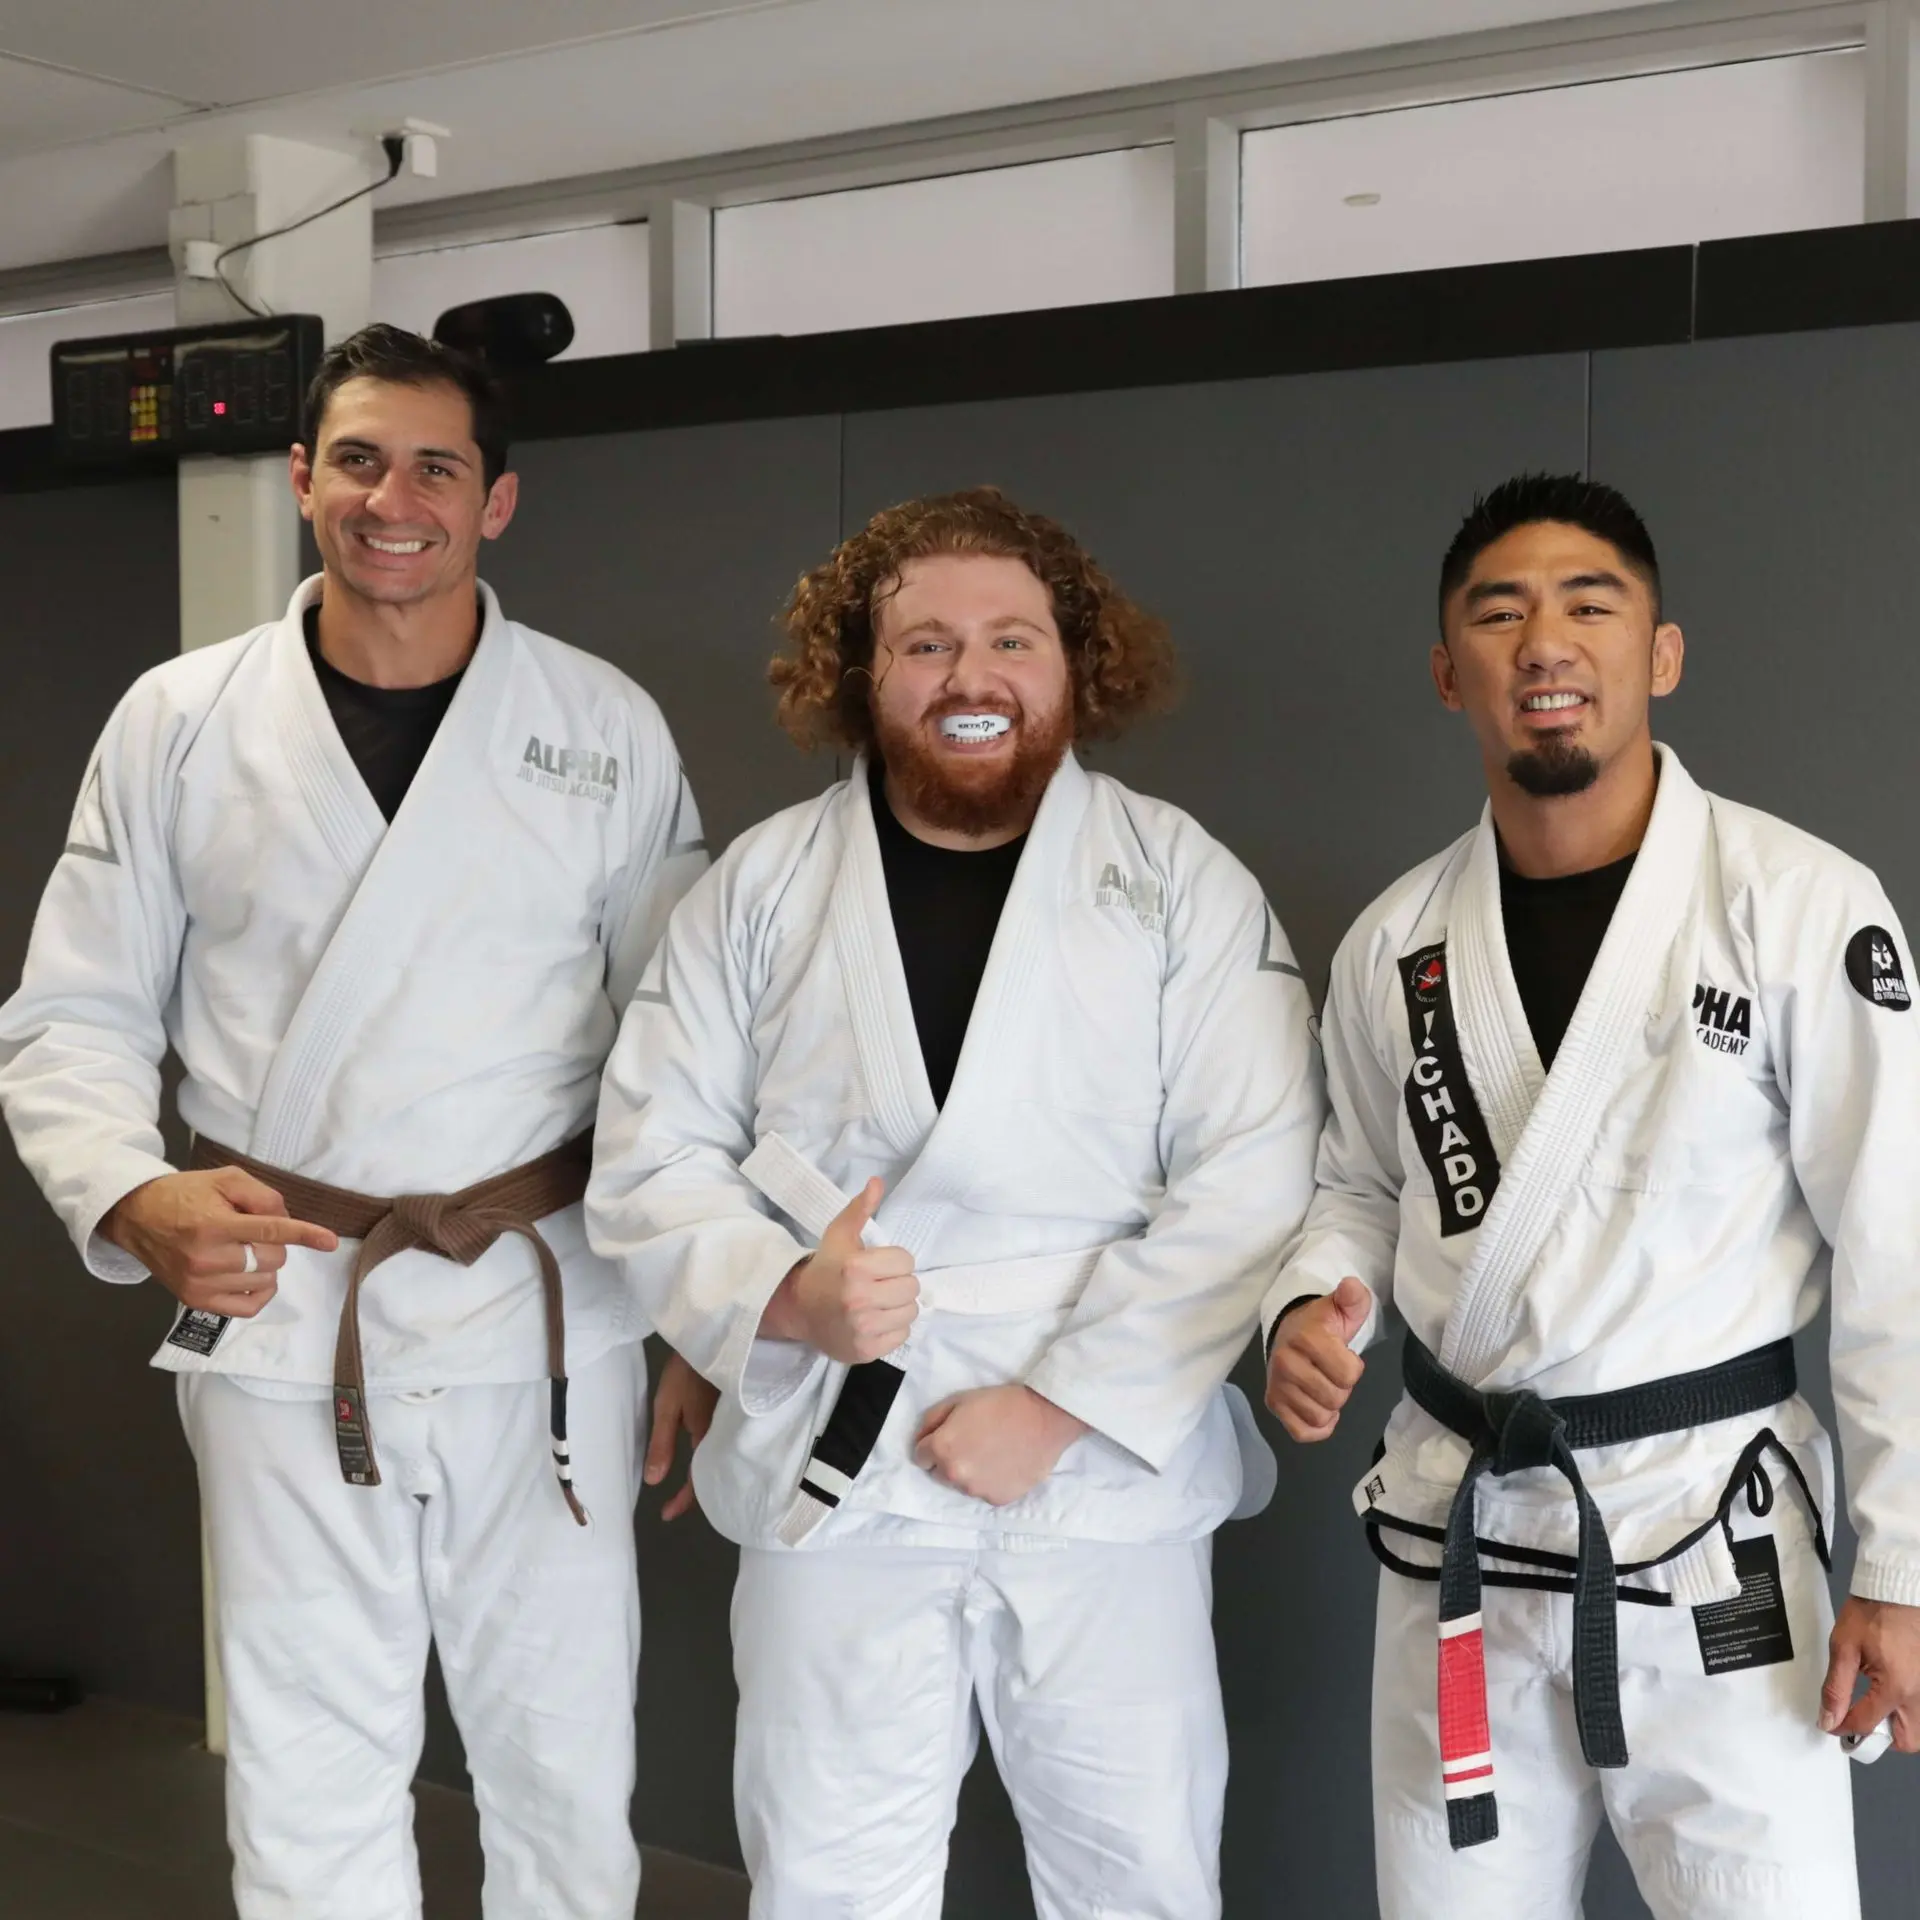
x: 394, y: 145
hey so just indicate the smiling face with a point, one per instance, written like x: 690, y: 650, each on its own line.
x: 972, y: 699
x: 396, y: 492
x: 1553, y: 651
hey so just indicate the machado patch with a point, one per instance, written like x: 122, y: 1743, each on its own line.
x: 1750, y: 1631
x: 1873, y: 966
x: 1446, y: 1119
x: 198, y: 1331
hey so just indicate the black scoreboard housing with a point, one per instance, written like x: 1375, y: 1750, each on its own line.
x: 145, y: 399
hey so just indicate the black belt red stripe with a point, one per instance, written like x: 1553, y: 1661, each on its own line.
x: 1509, y: 1433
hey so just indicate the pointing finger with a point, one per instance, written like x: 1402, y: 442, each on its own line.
x: 266, y: 1231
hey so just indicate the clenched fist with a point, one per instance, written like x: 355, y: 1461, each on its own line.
x: 1312, y: 1371
x: 193, y: 1233
x: 996, y: 1443
x: 852, y: 1301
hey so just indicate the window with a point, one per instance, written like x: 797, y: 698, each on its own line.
x: 1055, y: 234
x: 26, y: 393
x: 1664, y: 159
x: 600, y: 272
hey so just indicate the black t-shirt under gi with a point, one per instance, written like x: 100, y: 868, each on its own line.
x: 946, y: 905
x: 1554, y: 930
x: 386, y: 730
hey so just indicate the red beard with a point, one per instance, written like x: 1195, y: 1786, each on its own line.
x: 956, y: 794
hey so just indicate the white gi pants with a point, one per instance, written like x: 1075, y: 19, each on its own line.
x: 866, y: 1672
x: 1734, y: 1807
x: 328, y: 1594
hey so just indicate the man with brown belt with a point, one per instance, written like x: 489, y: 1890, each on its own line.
x: 381, y: 873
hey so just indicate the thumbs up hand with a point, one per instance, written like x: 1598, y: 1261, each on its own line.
x: 852, y: 1301
x: 1312, y: 1371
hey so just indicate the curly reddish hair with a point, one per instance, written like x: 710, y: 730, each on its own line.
x: 1119, y: 656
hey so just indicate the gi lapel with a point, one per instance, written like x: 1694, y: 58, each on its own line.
x: 1554, y: 1140
x: 878, y: 1008
x: 881, y: 1013
x: 942, y: 1141
x: 387, y: 866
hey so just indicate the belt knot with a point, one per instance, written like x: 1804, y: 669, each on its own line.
x: 437, y: 1222
x: 1527, y: 1431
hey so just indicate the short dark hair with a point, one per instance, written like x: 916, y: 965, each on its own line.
x: 1570, y: 499
x: 383, y: 352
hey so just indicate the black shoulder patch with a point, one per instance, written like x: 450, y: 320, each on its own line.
x: 1873, y: 965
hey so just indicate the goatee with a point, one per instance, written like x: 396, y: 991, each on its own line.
x: 956, y: 793
x: 1553, y: 769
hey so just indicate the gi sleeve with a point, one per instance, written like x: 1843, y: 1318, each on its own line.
x: 82, y: 1040
x: 666, y: 854
x: 1353, y: 1224
x: 667, y: 1200
x: 1847, y: 1047
x: 1165, y: 1316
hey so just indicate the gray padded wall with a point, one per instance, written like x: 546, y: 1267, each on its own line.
x: 670, y: 555
x: 1780, y: 480
x: 99, y: 1534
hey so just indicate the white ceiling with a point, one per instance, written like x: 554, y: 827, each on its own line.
x: 93, y: 98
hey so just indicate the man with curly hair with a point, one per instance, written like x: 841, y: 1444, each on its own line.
x: 953, y: 1133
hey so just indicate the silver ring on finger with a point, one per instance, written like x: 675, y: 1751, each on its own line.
x: 253, y: 1259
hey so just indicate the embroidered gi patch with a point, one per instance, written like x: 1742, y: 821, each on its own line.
x: 1446, y: 1120
x: 1723, y: 1021
x: 1873, y: 965
x: 1144, y: 897
x: 1750, y: 1631
x: 198, y: 1331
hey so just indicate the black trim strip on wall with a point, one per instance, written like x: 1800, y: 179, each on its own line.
x: 1772, y: 283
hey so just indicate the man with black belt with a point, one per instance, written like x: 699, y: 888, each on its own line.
x: 954, y: 1133
x: 381, y: 872
x: 1614, y: 1079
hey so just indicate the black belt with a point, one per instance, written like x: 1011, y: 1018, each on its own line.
x: 1510, y: 1432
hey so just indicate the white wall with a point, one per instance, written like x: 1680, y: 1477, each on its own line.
x: 600, y: 272
x: 26, y: 393
x: 1763, y: 147
x: 1055, y: 234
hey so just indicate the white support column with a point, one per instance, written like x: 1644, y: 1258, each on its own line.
x: 679, y: 272
x: 239, y: 533
x: 239, y: 529
x: 1206, y: 202
x: 1893, y: 111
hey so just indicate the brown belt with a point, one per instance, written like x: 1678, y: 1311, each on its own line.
x: 459, y: 1226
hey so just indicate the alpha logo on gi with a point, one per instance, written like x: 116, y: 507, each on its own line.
x: 1145, y: 899
x: 1722, y: 1020
x: 1873, y: 966
x: 579, y: 773
x: 1445, y: 1117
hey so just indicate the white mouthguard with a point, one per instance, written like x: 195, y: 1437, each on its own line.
x: 974, y: 726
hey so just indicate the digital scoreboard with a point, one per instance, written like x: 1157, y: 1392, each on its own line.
x: 140, y: 399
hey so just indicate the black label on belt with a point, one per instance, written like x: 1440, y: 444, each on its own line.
x: 1750, y: 1631
x: 351, y: 1438
x: 198, y: 1331
x: 1446, y: 1121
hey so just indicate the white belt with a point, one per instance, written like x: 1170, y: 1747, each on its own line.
x: 1032, y: 1284
x: 845, y: 1441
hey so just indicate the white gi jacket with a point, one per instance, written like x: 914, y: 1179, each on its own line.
x: 1138, y: 1074
x: 394, y: 1009
x: 1733, y: 1115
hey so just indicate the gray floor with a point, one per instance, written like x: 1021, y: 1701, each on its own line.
x: 113, y: 1812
